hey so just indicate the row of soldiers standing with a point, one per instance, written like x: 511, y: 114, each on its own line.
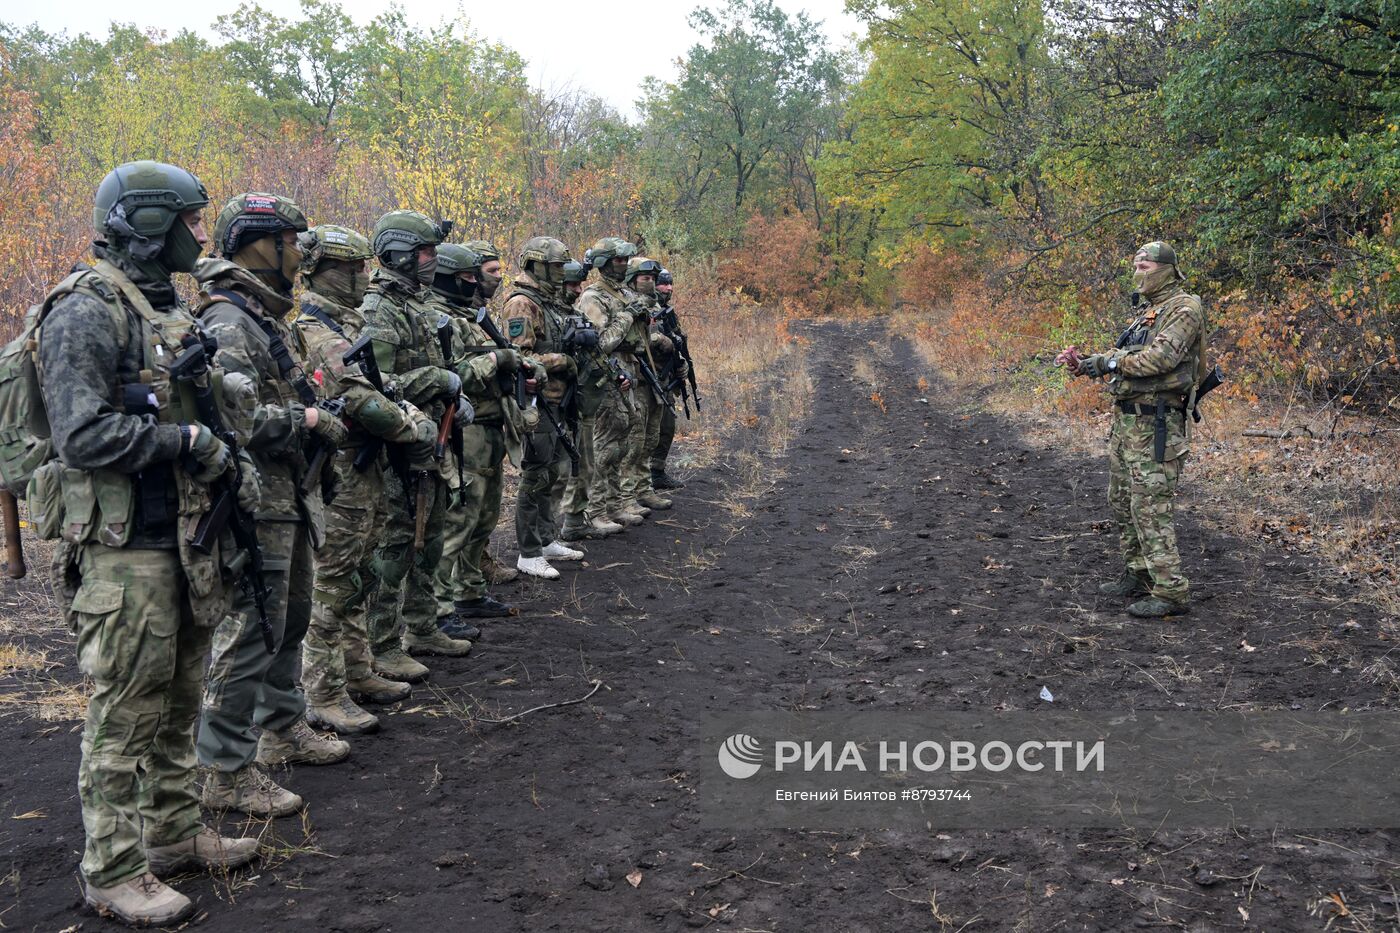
x: 362, y: 430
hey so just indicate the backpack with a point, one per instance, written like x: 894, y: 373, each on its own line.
x: 26, y: 441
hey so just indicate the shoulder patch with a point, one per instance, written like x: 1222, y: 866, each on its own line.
x: 517, y: 326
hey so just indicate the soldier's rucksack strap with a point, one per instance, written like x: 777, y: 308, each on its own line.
x: 287, y: 367
x: 319, y: 313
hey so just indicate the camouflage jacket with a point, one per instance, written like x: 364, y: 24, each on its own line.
x: 402, y: 322
x: 367, y: 412
x: 1162, y: 351
x: 535, y: 324
x: 83, y: 361
x: 279, y: 434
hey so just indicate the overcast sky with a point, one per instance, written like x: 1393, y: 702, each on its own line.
x: 563, y: 40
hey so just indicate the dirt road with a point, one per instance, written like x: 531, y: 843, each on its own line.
x: 906, y: 556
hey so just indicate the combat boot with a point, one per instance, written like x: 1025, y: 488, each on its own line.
x: 654, y: 501
x: 299, y: 744
x: 437, y: 643
x: 248, y: 790
x: 1131, y: 583
x: 205, y: 849
x: 602, y: 527
x: 537, y: 567
x: 453, y: 627
x: 624, y: 517
x: 1155, y: 607
x: 557, y: 550
x: 496, y: 572
x: 635, y: 506
x: 660, y: 479
x: 575, y: 528
x: 144, y: 901
x: 483, y: 607
x: 395, y: 664
x: 376, y: 689
x: 342, y: 716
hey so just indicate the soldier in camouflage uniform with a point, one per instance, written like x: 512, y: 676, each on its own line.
x: 594, y: 382
x: 674, y: 370
x: 649, y: 347
x: 141, y: 603
x: 488, y: 279
x: 460, y: 581
x: 247, y: 292
x: 1152, y: 376
x: 403, y: 325
x: 611, y: 309
x: 336, y: 665
x: 534, y: 316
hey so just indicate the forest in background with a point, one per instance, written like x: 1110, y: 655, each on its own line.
x: 988, y: 164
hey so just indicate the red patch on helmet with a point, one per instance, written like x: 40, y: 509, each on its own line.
x: 259, y: 205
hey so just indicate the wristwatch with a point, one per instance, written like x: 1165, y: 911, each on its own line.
x: 1112, y: 365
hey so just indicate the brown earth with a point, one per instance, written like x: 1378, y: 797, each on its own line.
x: 906, y: 556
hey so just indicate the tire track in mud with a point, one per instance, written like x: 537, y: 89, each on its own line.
x: 907, y: 556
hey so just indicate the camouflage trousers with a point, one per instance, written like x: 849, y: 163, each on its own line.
x: 138, y: 641
x: 642, y: 439
x: 544, y: 471
x: 1141, y: 493
x: 665, y: 435
x: 246, y: 686
x: 404, y: 598
x: 337, y: 643
x: 612, y: 426
x: 575, y: 501
x: 471, y: 517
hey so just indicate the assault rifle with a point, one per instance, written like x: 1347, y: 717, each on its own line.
x: 671, y: 327
x: 191, y: 368
x: 444, y: 335
x: 560, y: 431
x: 361, y: 353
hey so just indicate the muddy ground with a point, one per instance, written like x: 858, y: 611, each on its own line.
x: 912, y: 557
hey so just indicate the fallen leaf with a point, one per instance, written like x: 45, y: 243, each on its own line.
x: 1247, y: 647
x: 31, y: 815
x: 635, y: 879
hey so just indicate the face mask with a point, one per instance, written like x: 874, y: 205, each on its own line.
x: 614, y: 269
x: 427, y: 268
x: 489, y: 284
x: 554, y: 273
x: 261, y: 258
x: 571, y: 293
x: 1150, y: 283
x: 342, y: 284
x: 181, y: 249
x: 644, y: 285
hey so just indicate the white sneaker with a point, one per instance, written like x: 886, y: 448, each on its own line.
x: 558, y: 550
x: 536, y: 567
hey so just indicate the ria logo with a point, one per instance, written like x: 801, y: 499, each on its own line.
x: 741, y: 756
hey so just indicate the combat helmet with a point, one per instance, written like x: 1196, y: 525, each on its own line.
x: 135, y: 209
x: 575, y: 271
x: 398, y: 236
x: 250, y: 217
x: 484, y: 249
x: 641, y: 265
x: 328, y: 241
x: 453, y: 258
x: 607, y: 249
x: 543, y: 257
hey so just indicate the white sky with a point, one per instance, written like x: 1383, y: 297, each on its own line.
x: 560, y: 40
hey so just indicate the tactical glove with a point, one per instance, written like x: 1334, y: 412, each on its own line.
x: 537, y: 371
x: 662, y: 344
x: 421, y: 455
x: 249, y: 486
x: 1095, y: 367
x: 451, y: 384
x: 424, y: 430
x: 212, y: 455
x: 330, y: 428
x: 466, y: 414
x: 507, y: 360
